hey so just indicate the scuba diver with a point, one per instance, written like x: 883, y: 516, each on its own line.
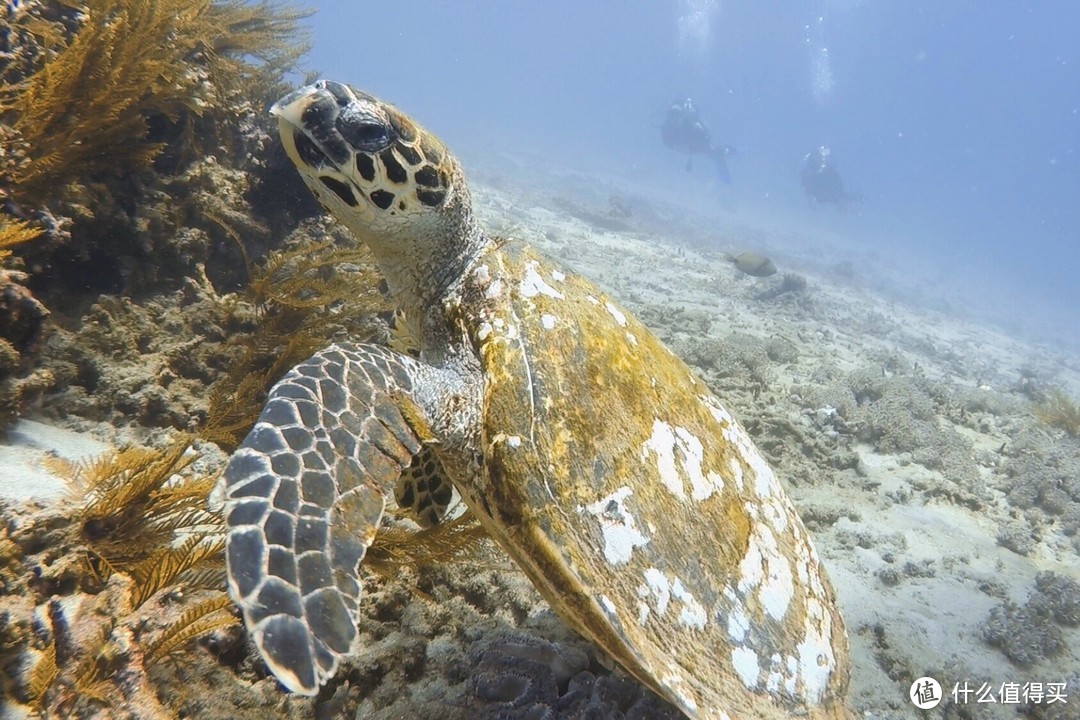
x: 821, y: 180
x: 684, y: 131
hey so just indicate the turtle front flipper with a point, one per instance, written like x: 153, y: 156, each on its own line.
x: 303, y: 498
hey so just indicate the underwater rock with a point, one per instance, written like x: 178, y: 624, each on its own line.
x: 524, y: 677
x: 22, y: 317
x: 899, y: 413
x: 1024, y: 633
x: 791, y: 286
x: 22, y: 320
x: 1043, y: 479
x: 612, y: 218
x: 1017, y: 538
x: 1030, y: 632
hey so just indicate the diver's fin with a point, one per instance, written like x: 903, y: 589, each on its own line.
x: 719, y: 156
x: 722, y: 172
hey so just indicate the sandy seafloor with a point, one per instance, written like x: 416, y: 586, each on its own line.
x: 903, y: 434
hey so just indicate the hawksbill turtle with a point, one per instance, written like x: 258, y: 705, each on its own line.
x: 635, y: 503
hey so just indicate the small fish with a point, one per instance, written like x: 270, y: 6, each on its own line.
x: 752, y: 264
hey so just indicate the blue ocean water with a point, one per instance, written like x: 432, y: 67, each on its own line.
x: 957, y: 121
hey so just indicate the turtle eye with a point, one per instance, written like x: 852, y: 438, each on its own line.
x: 363, y: 134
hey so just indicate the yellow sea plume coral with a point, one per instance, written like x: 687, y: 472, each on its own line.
x: 1058, y: 410
x: 131, y: 573
x: 133, y: 506
x: 302, y: 297
x: 86, y: 108
x: 14, y: 232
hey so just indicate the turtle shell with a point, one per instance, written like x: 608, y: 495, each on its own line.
x: 638, y: 506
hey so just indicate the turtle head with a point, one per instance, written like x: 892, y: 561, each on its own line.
x: 393, y: 184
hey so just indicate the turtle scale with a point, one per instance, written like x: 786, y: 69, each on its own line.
x: 636, y: 504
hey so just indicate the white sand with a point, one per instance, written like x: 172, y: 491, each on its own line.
x: 23, y: 449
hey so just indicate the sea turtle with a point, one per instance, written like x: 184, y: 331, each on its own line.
x: 632, y: 499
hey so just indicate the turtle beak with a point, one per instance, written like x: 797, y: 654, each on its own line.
x: 307, y: 119
x: 292, y: 106
x: 289, y: 107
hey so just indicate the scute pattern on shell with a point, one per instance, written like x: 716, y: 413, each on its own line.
x: 639, y: 507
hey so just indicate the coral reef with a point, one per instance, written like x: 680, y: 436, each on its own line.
x: 129, y: 128
x: 1030, y: 632
x: 792, y: 289
x: 522, y: 677
x: 22, y: 320
x: 301, y: 298
x: 101, y: 587
x: 1042, y: 476
x: 898, y: 412
x: 1017, y: 538
x: 116, y: 80
x: 149, y: 361
x: 488, y: 669
x: 197, y: 359
x: 739, y: 359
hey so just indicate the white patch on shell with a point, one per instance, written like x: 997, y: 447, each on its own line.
x: 772, y: 683
x: 657, y: 585
x: 620, y: 531
x: 803, y: 573
x: 738, y: 624
x: 658, y: 588
x: 765, y: 482
x: 675, y: 683
x: 609, y: 607
x: 532, y: 284
x: 664, y: 443
x: 792, y: 674
x: 616, y: 313
x: 556, y: 275
x: 693, y: 614
x: 548, y: 321
x: 775, y: 514
x: 482, y: 274
x: 816, y: 659
x: 591, y: 299
x: 766, y: 569
x: 745, y: 662
x: 736, y: 473
x: 631, y: 339
x: 513, y: 441
x: 484, y: 332
x: 494, y: 289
